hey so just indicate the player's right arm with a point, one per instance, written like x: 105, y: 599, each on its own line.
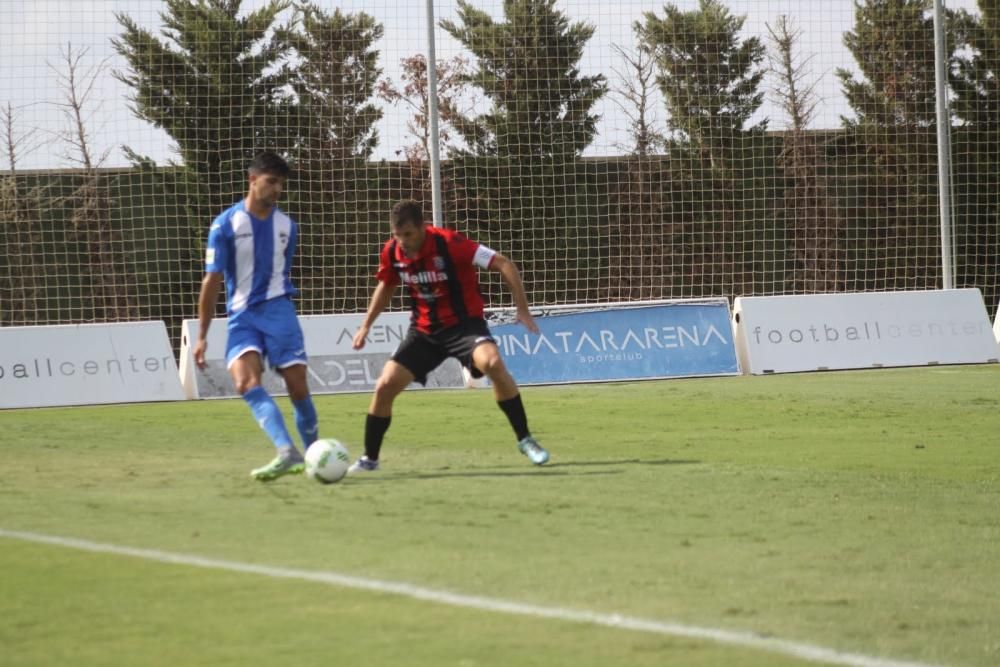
x: 216, y: 257
x: 209, y: 296
x: 388, y: 281
x: 379, y: 302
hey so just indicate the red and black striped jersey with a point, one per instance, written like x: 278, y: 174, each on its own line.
x: 444, y: 287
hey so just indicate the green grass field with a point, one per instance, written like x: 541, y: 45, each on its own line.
x: 854, y: 511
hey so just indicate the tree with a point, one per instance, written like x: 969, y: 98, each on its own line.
x: 893, y: 44
x: 451, y: 85
x: 894, y: 145
x: 332, y: 72
x: 21, y: 294
x: 977, y: 74
x: 226, y: 83
x: 527, y: 67
x: 334, y: 77
x: 109, y: 293
x: 709, y: 78
x: 639, y: 232
x: 816, y: 230
x: 976, y: 157
x: 519, y: 178
x: 413, y: 92
x: 15, y: 144
x: 635, y: 99
x: 214, y: 84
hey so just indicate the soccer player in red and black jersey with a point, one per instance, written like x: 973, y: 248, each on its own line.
x: 439, y: 268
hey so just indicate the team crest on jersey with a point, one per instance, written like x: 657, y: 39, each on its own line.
x: 283, y: 237
x: 439, y: 263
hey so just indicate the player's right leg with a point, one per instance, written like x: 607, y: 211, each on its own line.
x: 243, y: 356
x: 394, y: 379
x: 415, y: 357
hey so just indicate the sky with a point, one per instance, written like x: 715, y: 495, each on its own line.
x: 34, y: 34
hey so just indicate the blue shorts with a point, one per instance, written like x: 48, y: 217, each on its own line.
x: 271, y: 329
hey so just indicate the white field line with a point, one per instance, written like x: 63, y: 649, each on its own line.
x: 744, y: 639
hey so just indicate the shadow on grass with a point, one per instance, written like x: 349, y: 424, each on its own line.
x: 482, y: 474
x: 620, y: 462
x: 520, y: 471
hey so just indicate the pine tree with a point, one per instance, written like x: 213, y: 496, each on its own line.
x: 225, y: 83
x: 332, y: 73
x: 976, y: 149
x: 334, y: 80
x: 894, y: 142
x: 977, y: 79
x: 213, y: 84
x: 709, y: 77
x: 520, y: 178
x: 893, y: 44
x: 528, y: 68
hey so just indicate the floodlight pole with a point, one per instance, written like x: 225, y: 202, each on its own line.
x: 432, y: 119
x: 943, y: 143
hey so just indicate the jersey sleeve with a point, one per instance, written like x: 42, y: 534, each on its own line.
x: 386, y: 273
x: 466, y: 251
x: 217, y: 253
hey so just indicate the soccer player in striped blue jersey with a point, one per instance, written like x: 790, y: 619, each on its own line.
x: 250, y: 248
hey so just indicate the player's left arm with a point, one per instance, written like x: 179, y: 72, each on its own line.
x: 512, y: 277
x: 293, y: 245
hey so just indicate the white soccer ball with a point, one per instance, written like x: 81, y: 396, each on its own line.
x: 327, y: 461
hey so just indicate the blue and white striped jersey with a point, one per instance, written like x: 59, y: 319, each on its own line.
x: 254, y: 256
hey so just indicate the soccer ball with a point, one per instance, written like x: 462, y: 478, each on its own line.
x: 327, y: 461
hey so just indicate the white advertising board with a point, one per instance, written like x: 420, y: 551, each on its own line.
x: 87, y: 364
x: 787, y: 334
x: 334, y: 366
x: 996, y: 324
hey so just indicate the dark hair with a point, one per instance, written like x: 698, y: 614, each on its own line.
x: 268, y: 162
x: 406, y: 211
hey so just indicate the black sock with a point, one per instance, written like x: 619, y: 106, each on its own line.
x: 375, y: 428
x: 514, y: 409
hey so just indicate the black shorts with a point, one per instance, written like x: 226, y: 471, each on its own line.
x: 420, y: 353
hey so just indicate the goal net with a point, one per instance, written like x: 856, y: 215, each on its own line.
x: 616, y: 151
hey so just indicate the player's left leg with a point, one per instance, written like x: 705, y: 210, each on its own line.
x: 486, y: 358
x: 286, y: 352
x: 415, y: 357
x: 306, y: 419
x: 394, y: 379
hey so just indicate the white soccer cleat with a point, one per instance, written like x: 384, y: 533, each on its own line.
x: 364, y: 464
x: 535, y: 452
